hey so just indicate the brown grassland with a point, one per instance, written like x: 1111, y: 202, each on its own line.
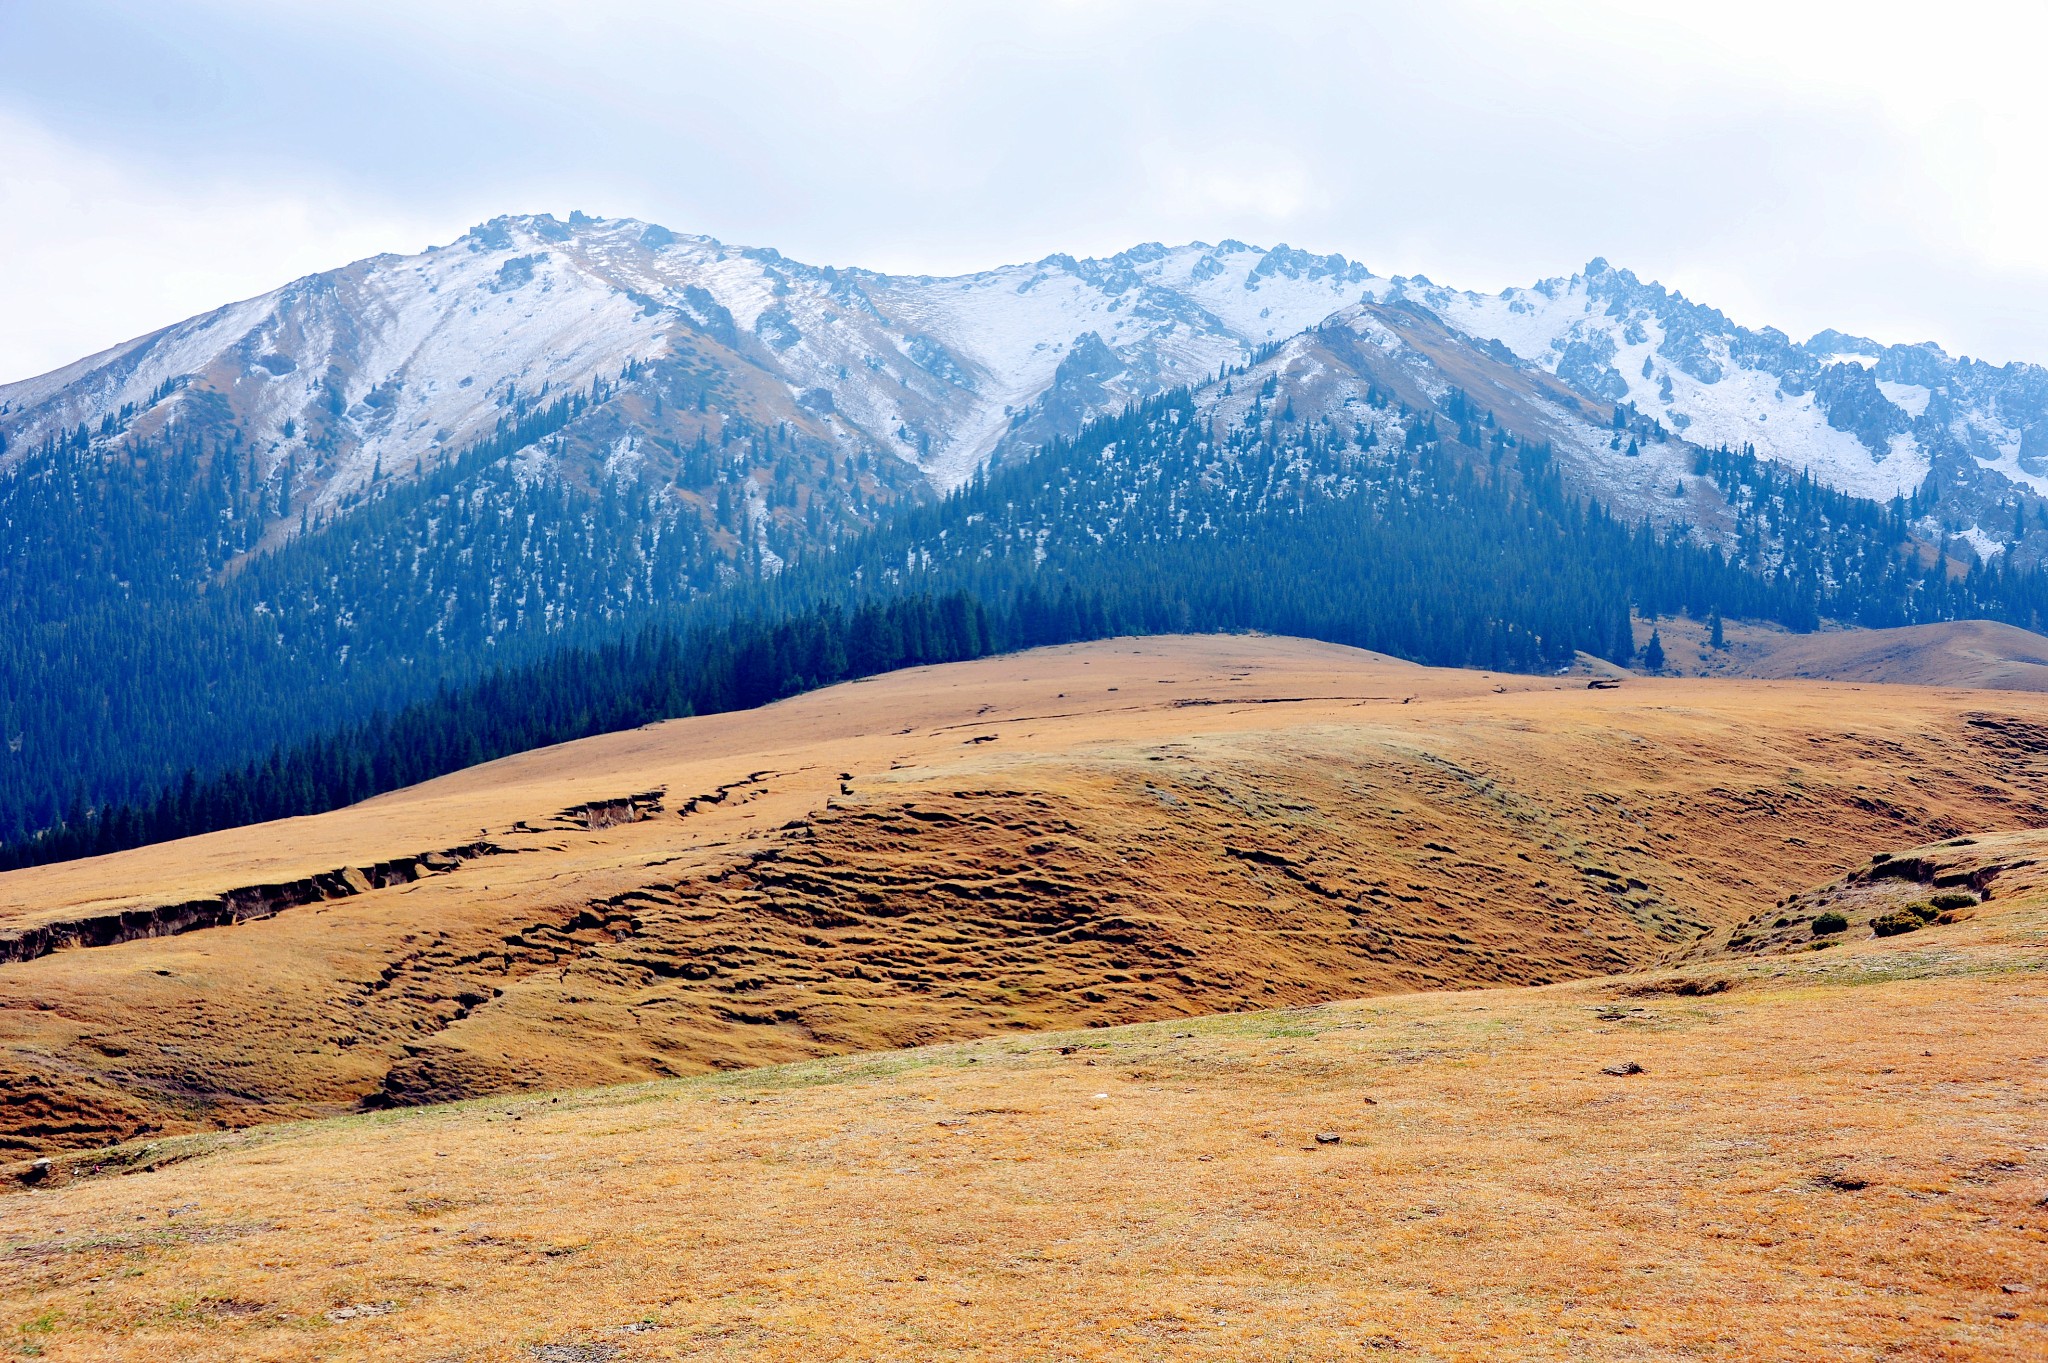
x: 1829, y: 1154
x: 1094, y: 835
x: 1977, y: 653
x: 1834, y: 1147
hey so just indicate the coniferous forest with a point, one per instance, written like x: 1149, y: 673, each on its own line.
x: 1444, y: 541
x: 163, y: 607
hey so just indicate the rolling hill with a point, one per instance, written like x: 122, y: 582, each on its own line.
x: 1089, y: 835
x: 1956, y: 653
x: 1778, y: 1152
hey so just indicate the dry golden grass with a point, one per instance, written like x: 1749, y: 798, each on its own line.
x: 1093, y: 835
x: 1831, y: 1152
x: 1839, y: 1156
x: 1974, y: 653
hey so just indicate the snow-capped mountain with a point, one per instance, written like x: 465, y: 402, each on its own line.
x: 400, y: 361
x: 1370, y: 357
x: 304, y: 509
x: 386, y: 368
x: 1870, y: 419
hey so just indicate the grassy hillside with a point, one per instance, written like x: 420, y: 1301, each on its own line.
x: 1090, y: 835
x: 1976, y: 654
x: 1824, y: 1155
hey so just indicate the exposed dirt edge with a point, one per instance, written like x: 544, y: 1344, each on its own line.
x: 241, y: 905
x: 600, y: 814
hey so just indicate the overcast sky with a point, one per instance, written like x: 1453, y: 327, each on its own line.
x: 1871, y: 166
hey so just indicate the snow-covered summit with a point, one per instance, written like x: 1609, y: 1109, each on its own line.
x: 1871, y: 419
x: 397, y: 360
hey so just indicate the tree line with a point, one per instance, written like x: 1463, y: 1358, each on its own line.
x: 1435, y: 535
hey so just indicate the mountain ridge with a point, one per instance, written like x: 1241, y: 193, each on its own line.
x: 940, y: 372
x: 294, y: 512
x: 654, y: 277
x: 1877, y: 420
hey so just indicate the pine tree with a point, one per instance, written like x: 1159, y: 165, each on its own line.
x: 1653, y: 653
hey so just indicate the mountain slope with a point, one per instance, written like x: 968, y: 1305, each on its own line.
x: 396, y: 363
x: 483, y: 558
x: 1342, y: 487
x: 1370, y: 361
x: 334, y: 499
x: 399, y: 360
x: 1876, y: 420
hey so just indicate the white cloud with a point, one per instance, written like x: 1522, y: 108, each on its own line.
x: 98, y: 250
x: 1797, y: 164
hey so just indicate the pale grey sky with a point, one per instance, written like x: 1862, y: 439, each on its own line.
x: 1868, y: 166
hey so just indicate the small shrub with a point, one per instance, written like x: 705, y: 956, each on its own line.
x: 1922, y: 910
x: 1829, y: 922
x: 1782, y: 923
x: 1896, y: 922
x: 1953, y: 899
x: 31, y: 1346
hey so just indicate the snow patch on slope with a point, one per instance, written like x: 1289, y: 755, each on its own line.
x: 1672, y: 363
x: 396, y: 362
